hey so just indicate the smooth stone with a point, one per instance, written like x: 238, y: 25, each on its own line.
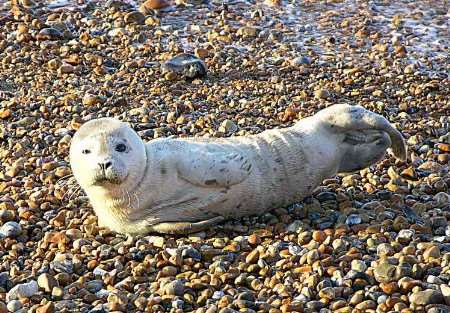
x: 135, y: 17
x: 14, y: 305
x: 384, y: 273
x: 10, y: 229
x: 94, y: 285
x: 301, y: 60
x: 385, y: 249
x: 353, y: 219
x: 49, y: 307
x: 174, y: 288
x: 47, y: 282
x: 426, y: 297
x: 25, y: 290
x: 4, y: 278
x: 49, y: 33
x: 187, y: 65
x: 358, y: 266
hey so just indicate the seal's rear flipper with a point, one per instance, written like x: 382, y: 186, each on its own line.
x: 355, y: 122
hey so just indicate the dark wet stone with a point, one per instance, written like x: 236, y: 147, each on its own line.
x: 384, y: 194
x: 191, y: 253
x: 187, y: 65
x: 246, y: 295
x: 315, y: 305
x: 49, y: 33
x: 438, y: 221
x: 411, y: 215
x: 353, y: 219
x: 326, y: 196
x: 98, y: 311
x: 4, y: 277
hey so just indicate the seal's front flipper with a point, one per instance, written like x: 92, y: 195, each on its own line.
x: 355, y: 121
x: 181, y: 228
x: 363, y: 148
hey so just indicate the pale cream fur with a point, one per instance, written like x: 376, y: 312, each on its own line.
x: 185, y: 185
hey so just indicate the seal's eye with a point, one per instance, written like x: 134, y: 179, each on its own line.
x: 86, y: 151
x: 121, y: 147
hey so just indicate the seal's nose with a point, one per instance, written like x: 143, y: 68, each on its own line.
x: 105, y: 165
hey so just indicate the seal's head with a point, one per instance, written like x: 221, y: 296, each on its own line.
x: 107, y: 154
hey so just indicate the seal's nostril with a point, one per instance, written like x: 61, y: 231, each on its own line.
x: 105, y: 165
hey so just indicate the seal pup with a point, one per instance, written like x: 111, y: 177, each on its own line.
x: 180, y: 186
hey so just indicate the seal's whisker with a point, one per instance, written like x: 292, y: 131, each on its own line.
x: 67, y: 184
x: 75, y: 192
x: 129, y: 198
x: 64, y: 178
x: 71, y: 182
x: 66, y: 192
x: 137, y: 199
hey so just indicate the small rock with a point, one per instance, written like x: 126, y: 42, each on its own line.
x: 14, y: 305
x: 169, y: 270
x: 294, y: 226
x: 426, y: 297
x: 49, y: 33
x: 6, y: 215
x: 353, y: 219
x: 25, y: 290
x: 228, y: 126
x: 328, y: 293
x: 252, y: 257
x: 135, y: 17
x: 47, y: 282
x: 443, y: 147
x: 445, y: 290
x: 174, y: 288
x: 442, y: 199
x: 321, y: 93
x: 409, y: 69
x: 254, y: 239
x: 384, y: 273
x: 57, y: 293
x: 247, y: 31
x: 358, y: 266
x: 49, y: 307
x: 156, y: 241
x: 10, y: 229
x: 90, y: 99
x: 405, y: 235
x: 201, y: 53
x: 149, y: 5
x: 385, y: 249
x: 302, y: 60
x: 432, y: 252
x: 66, y: 69
x: 186, y: 65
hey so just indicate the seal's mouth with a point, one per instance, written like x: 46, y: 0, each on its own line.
x: 102, y: 180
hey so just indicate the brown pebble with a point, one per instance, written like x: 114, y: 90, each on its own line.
x: 46, y: 308
x: 155, y: 4
x: 254, y: 239
x: 319, y: 236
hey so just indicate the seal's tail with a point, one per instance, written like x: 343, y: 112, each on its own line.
x: 353, y: 118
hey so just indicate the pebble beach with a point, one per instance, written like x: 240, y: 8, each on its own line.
x: 377, y: 240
